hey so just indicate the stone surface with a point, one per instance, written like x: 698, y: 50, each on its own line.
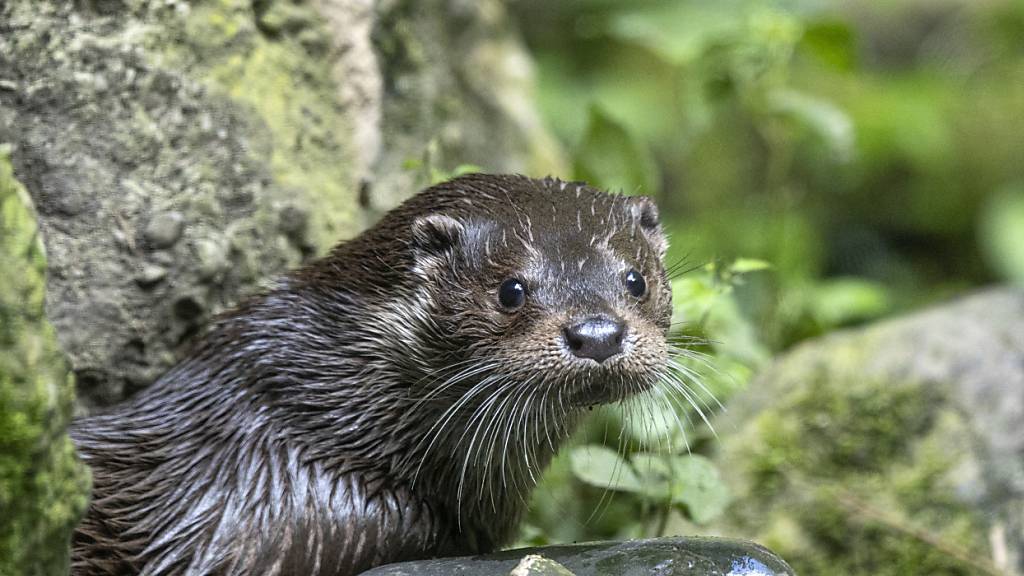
x: 164, y: 229
x: 654, y: 557
x: 894, y: 449
x: 181, y: 153
x: 457, y: 89
x: 537, y: 565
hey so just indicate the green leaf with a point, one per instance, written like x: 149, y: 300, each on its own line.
x: 832, y: 42
x: 745, y: 265
x: 603, y: 467
x: 610, y: 157
x: 688, y: 481
x: 696, y: 484
x: 1002, y: 233
x: 655, y: 474
x: 679, y: 32
x: 463, y: 169
x: 826, y: 120
x: 845, y: 300
x: 707, y: 309
x: 693, y: 298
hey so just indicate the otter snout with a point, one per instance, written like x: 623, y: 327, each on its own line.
x: 597, y: 338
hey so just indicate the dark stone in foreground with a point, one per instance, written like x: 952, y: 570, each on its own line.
x: 659, y: 556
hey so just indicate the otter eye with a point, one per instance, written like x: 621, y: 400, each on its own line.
x: 512, y: 294
x: 636, y: 284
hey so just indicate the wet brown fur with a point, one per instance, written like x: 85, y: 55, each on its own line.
x: 378, y: 404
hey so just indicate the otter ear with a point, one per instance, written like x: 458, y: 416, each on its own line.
x: 646, y: 213
x: 436, y: 233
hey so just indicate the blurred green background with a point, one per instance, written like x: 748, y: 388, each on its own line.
x: 818, y: 164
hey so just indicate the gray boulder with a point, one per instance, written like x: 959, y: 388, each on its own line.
x: 893, y: 449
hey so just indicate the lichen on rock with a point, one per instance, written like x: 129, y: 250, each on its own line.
x: 177, y: 157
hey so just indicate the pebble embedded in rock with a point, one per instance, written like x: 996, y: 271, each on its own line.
x: 150, y: 275
x: 164, y: 229
x: 212, y: 256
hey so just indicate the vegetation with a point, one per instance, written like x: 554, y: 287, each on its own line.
x: 864, y: 157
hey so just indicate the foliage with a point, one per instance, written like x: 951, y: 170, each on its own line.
x: 609, y: 154
x: 430, y: 168
x: 690, y: 482
x: 836, y: 141
x: 871, y: 159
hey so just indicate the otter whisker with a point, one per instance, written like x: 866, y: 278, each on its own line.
x: 435, y: 431
x: 675, y: 383
x: 479, y: 414
x: 673, y: 407
x: 494, y: 428
x: 680, y: 377
x: 697, y: 379
x: 429, y: 380
x: 475, y: 368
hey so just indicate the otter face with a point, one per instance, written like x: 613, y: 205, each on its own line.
x: 553, y: 292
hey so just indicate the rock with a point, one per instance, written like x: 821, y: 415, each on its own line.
x: 150, y: 275
x: 537, y: 565
x: 212, y: 258
x: 164, y: 229
x: 43, y: 487
x: 143, y: 129
x: 888, y: 450
x: 658, y: 556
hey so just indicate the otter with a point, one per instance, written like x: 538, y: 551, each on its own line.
x: 396, y: 399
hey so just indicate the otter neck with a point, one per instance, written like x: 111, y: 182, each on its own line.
x: 349, y: 397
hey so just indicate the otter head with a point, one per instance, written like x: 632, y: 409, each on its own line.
x: 541, y: 292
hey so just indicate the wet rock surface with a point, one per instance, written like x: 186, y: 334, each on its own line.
x: 653, y: 557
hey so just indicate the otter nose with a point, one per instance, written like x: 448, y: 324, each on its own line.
x: 597, y: 338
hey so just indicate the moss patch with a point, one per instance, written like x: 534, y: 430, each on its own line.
x: 43, y: 488
x: 271, y: 60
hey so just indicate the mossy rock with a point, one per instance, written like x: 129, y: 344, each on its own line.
x: 894, y: 449
x: 160, y: 190
x: 43, y: 487
x: 180, y: 154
